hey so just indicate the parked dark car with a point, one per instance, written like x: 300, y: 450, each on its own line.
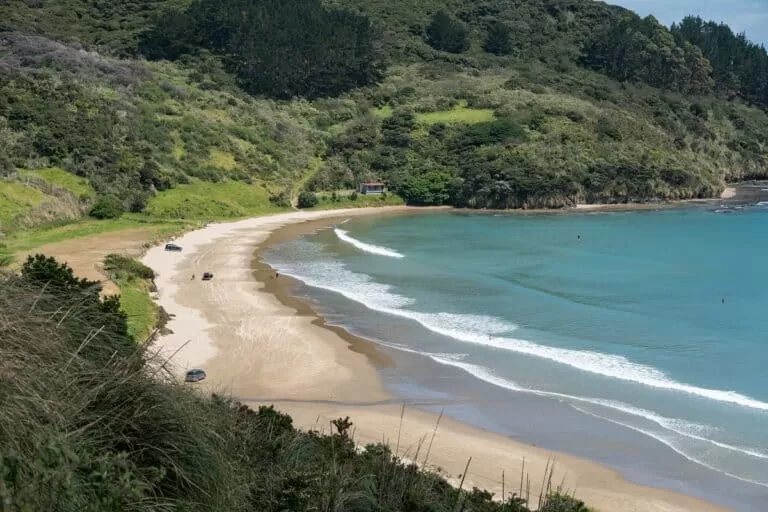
x: 172, y: 247
x: 195, y: 375
x: 207, y: 276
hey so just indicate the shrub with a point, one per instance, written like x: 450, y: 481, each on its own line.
x: 58, y: 279
x: 431, y: 188
x: 107, y: 207
x: 280, y: 199
x: 493, y: 132
x: 608, y: 128
x: 396, y: 129
x: 307, y: 199
x: 123, y: 267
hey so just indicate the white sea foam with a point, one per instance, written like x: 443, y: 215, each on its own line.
x: 494, y: 332
x: 608, y: 365
x: 672, y: 426
x: 369, y: 248
x: 684, y: 428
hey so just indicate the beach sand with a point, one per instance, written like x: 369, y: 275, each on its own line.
x: 262, y: 350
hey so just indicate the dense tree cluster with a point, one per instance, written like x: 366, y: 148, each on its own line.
x: 279, y: 48
x: 446, y: 33
x: 499, y: 38
x: 642, y: 50
x: 739, y: 66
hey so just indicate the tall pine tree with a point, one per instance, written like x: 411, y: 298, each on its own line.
x: 279, y: 48
x: 739, y: 66
x: 499, y: 39
x: 447, y: 34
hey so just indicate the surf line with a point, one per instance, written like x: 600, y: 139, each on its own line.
x: 369, y: 248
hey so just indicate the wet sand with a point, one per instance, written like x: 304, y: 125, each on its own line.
x: 262, y: 346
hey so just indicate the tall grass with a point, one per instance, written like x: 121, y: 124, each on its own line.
x: 88, y: 430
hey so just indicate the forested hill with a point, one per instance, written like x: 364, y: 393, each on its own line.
x: 161, y: 104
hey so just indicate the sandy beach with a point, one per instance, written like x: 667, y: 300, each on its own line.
x: 264, y: 350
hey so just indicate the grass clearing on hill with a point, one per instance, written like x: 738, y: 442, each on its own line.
x: 16, y: 199
x: 460, y: 114
x: 221, y: 159
x: 382, y: 112
x: 209, y: 201
x: 58, y: 177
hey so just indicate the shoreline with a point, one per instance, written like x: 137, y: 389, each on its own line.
x: 270, y: 348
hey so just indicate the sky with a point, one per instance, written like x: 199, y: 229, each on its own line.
x: 748, y: 16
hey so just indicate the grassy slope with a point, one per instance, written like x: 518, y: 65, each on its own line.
x: 135, y: 282
x: 460, y: 114
x: 181, y: 123
x: 57, y: 177
x: 17, y: 198
x: 44, y: 197
x: 203, y: 200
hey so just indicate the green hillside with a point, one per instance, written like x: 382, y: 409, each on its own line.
x: 539, y: 103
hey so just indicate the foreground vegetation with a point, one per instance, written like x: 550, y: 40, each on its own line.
x: 91, y: 422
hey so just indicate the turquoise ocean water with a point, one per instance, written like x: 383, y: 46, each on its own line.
x: 647, y: 336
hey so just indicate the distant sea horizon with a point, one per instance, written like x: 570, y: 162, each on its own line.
x: 636, y: 339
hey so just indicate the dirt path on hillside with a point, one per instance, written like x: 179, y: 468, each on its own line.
x: 86, y: 254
